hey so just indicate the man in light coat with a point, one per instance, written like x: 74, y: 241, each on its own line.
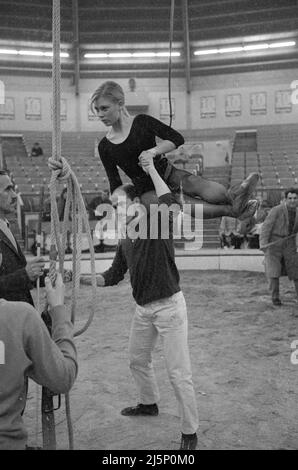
x: 278, y: 241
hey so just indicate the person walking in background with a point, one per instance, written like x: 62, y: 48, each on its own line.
x: 278, y: 240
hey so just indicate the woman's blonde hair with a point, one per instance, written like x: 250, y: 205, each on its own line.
x: 110, y: 90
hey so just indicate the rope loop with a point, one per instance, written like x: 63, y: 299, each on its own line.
x: 74, y: 206
x: 60, y: 168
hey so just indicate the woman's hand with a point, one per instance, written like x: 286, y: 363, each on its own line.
x: 55, y: 294
x: 146, y: 160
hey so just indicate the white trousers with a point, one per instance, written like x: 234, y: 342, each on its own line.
x: 167, y: 318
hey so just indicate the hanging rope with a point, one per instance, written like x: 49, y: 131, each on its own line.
x: 38, y: 253
x: 62, y: 172
x: 75, y: 205
x: 170, y: 60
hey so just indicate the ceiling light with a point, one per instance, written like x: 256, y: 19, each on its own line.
x: 8, y: 51
x: 50, y: 54
x: 246, y: 47
x: 225, y: 50
x: 95, y: 55
x: 144, y: 54
x: 206, y: 52
x: 282, y: 44
x: 167, y: 54
x: 120, y: 55
x: 34, y: 53
x: 255, y: 47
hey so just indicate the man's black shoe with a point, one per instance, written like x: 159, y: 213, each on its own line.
x: 277, y: 302
x: 189, y: 441
x: 141, y: 410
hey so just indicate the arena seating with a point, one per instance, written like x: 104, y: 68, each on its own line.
x: 80, y: 150
x: 275, y: 159
x: 30, y: 174
x: 220, y: 174
x: 272, y: 151
x: 278, y: 154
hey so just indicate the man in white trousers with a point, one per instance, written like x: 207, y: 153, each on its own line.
x: 160, y: 308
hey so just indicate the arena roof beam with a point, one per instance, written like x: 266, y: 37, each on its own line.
x: 115, y: 5
x: 243, y: 16
x: 32, y: 34
x: 223, y: 4
x: 229, y: 31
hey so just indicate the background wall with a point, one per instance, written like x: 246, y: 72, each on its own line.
x: 217, y: 101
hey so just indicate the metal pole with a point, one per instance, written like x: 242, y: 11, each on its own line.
x: 1, y: 157
x: 186, y: 44
x: 172, y: 12
x: 76, y: 45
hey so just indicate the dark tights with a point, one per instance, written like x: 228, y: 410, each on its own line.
x: 210, y: 211
x: 198, y: 187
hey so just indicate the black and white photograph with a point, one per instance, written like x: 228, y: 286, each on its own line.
x: 148, y: 228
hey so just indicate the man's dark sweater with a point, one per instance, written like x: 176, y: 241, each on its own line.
x: 151, y: 264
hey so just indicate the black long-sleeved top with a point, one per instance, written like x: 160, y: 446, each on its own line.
x: 125, y: 155
x: 151, y: 263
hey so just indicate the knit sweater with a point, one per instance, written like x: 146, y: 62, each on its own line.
x: 26, y: 350
x: 150, y: 261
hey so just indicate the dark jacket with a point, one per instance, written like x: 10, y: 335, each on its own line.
x: 15, y: 284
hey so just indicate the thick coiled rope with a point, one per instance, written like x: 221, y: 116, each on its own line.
x: 75, y: 206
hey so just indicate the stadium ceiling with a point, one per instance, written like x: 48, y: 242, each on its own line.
x: 140, y: 30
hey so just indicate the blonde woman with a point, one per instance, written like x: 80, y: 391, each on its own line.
x: 131, y: 137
